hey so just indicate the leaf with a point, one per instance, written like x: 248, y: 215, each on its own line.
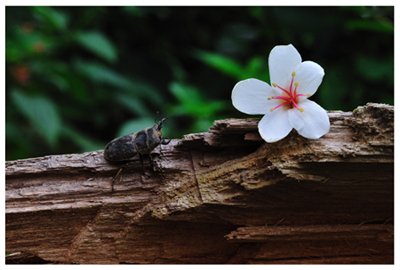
x: 50, y: 16
x: 221, y: 63
x: 202, y: 125
x: 28, y: 45
x: 135, y: 125
x: 98, y: 44
x: 100, y: 73
x: 42, y: 114
x: 55, y: 73
x: 134, y: 11
x: 185, y: 94
x: 133, y: 104
x: 374, y: 26
x: 145, y: 89
x: 216, y: 106
x: 192, y: 102
x: 256, y: 68
x: 376, y: 69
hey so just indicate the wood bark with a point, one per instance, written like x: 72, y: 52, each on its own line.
x: 222, y: 196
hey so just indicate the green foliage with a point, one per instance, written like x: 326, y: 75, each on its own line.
x: 99, y: 73
x: 222, y: 63
x: 98, y: 44
x: 49, y: 17
x: 41, y: 113
x: 77, y: 77
x: 256, y: 66
x: 379, y: 26
x: 375, y: 69
x: 193, y: 104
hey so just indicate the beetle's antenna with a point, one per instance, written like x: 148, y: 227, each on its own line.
x: 160, y: 123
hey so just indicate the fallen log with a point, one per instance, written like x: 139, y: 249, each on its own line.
x: 222, y: 196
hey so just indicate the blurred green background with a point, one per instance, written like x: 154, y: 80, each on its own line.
x: 77, y: 77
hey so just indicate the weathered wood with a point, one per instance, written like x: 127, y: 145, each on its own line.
x: 317, y: 243
x: 222, y: 196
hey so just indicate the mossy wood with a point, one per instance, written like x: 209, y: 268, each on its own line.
x: 223, y: 196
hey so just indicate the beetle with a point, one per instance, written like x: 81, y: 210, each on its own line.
x: 140, y: 143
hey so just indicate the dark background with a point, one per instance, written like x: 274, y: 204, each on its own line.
x: 76, y: 77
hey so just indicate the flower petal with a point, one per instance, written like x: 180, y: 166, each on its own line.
x: 274, y: 126
x: 312, y: 123
x: 282, y: 61
x: 309, y: 75
x: 251, y: 96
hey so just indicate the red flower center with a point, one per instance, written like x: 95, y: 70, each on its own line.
x: 289, y: 97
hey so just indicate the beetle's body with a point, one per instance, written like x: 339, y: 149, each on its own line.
x: 140, y: 143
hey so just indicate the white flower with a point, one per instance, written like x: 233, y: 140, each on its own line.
x: 285, y: 104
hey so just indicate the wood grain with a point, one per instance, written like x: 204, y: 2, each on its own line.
x: 222, y: 196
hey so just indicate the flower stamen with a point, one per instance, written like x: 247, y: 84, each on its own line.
x: 296, y: 84
x: 283, y: 89
x: 290, y: 97
x: 281, y: 97
x: 291, y: 82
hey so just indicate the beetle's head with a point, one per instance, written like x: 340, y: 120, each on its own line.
x: 159, y: 124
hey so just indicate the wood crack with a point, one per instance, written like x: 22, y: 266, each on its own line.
x: 81, y: 235
x: 195, y: 177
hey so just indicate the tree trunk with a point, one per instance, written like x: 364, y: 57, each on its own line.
x: 222, y: 196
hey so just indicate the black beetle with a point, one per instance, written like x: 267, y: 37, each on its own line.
x: 142, y: 143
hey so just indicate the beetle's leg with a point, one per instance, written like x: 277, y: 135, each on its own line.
x: 141, y: 163
x: 151, y: 162
x: 161, y: 154
x: 165, y: 142
x: 114, y: 180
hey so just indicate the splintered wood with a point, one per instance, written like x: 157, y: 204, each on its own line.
x: 222, y: 196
